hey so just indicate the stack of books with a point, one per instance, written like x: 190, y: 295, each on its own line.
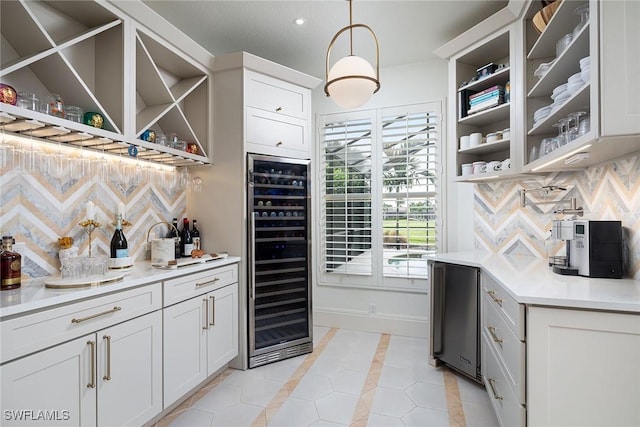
x: 487, y: 98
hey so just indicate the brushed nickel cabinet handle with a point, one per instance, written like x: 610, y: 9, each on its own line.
x: 279, y: 143
x: 92, y: 355
x: 213, y: 310
x: 492, y: 294
x: 492, y: 331
x: 82, y: 319
x: 493, y: 389
x: 210, y: 282
x: 107, y: 376
x: 278, y: 109
x: 206, y: 314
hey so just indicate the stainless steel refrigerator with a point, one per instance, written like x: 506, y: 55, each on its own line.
x: 279, y: 275
x: 455, y: 318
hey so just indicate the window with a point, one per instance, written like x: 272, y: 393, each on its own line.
x: 379, y: 187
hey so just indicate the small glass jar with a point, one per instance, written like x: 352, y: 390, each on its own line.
x: 74, y: 113
x: 54, y: 105
x: 181, y: 145
x: 28, y: 100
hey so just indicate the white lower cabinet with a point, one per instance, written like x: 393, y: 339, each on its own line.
x: 583, y: 368
x: 200, y: 337
x: 108, y: 378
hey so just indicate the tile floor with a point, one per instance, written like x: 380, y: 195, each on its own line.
x: 351, y: 379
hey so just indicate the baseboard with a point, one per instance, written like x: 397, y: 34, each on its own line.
x: 409, y: 326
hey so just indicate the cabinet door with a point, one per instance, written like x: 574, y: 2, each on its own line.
x: 619, y: 41
x: 583, y: 368
x: 130, y: 371
x: 222, y: 343
x: 270, y: 133
x: 185, y: 347
x: 52, y: 387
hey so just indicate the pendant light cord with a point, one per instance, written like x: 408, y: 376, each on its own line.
x: 350, y: 28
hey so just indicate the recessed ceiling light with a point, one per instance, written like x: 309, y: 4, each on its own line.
x: 299, y: 21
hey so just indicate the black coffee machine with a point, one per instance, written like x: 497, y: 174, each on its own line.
x: 594, y: 248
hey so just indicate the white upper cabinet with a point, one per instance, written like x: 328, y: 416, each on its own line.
x: 591, y: 48
x: 102, y: 60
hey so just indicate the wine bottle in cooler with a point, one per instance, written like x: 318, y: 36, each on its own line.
x: 119, y: 246
x: 195, y: 235
x: 187, y: 239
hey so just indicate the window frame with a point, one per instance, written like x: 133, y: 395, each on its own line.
x: 376, y: 280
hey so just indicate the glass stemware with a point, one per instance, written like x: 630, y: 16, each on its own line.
x: 583, y: 11
x: 573, y: 125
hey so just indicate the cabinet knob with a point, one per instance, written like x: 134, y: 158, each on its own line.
x: 278, y: 109
x: 279, y: 143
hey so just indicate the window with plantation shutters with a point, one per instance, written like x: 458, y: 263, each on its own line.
x: 379, y: 190
x: 347, y: 167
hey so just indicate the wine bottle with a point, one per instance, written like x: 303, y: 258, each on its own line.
x: 119, y: 246
x: 173, y: 234
x: 195, y: 235
x: 10, y: 265
x: 187, y: 240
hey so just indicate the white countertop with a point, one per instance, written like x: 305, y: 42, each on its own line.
x: 33, y: 295
x: 530, y: 281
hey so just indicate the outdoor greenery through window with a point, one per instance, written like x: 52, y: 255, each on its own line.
x: 379, y: 191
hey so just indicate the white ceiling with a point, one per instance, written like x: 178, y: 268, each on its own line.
x: 408, y: 31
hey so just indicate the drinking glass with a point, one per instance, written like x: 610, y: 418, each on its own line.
x: 573, y: 125
x: 585, y: 126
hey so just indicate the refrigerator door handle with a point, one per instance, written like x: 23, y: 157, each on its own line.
x: 252, y: 256
x: 438, y: 307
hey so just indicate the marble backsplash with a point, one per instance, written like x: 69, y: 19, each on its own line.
x: 608, y: 191
x: 38, y: 208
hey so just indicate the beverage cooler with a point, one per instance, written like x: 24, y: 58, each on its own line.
x: 279, y: 276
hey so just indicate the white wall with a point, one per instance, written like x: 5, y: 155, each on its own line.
x: 403, y: 313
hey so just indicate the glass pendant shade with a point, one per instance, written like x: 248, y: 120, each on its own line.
x: 352, y: 82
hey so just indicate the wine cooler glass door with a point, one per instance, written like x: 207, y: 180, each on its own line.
x: 279, y: 294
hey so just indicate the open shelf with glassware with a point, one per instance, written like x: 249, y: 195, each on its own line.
x: 70, y: 64
x: 567, y: 125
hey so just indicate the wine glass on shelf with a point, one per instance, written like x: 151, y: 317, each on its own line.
x: 573, y: 125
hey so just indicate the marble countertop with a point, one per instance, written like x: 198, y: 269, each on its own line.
x: 33, y: 295
x: 530, y: 281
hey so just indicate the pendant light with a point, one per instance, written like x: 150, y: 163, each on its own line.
x: 352, y: 80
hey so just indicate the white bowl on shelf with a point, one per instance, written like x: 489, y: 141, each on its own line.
x: 574, y: 87
x: 585, y: 62
x: 585, y: 75
x: 574, y: 79
x: 541, y: 113
x: 558, y: 90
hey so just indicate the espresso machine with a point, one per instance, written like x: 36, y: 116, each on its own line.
x: 594, y: 248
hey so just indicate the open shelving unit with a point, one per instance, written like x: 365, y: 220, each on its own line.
x: 497, y: 49
x: 82, y: 51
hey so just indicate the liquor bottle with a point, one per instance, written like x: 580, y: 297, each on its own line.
x: 173, y: 234
x: 195, y: 235
x: 187, y: 240
x: 119, y: 246
x: 10, y: 265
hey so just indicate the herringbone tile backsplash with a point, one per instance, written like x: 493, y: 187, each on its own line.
x: 37, y: 209
x: 609, y: 191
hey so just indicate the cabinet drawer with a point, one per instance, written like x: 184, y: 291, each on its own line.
x: 189, y: 286
x: 505, y: 305
x: 271, y: 132
x: 508, y: 410
x: 509, y: 349
x: 26, y: 334
x: 277, y: 96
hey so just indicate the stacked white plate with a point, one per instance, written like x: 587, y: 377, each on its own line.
x: 574, y: 83
x: 560, y: 95
x: 541, y: 114
x: 585, y: 69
